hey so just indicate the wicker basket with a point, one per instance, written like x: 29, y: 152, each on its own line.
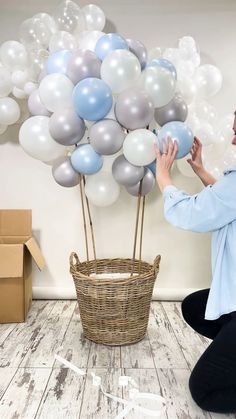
x: 114, y: 311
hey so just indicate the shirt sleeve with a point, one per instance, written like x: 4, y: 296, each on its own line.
x: 209, y: 210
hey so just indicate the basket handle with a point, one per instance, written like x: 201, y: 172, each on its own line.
x: 73, y: 257
x: 156, y: 264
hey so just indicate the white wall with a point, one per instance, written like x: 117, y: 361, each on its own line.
x: 57, y: 222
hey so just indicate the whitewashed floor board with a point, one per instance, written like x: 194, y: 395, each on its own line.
x: 34, y: 386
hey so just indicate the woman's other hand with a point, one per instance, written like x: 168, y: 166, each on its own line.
x: 196, y: 156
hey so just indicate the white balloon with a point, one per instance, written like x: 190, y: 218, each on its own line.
x: 206, y: 133
x: 184, y: 167
x: 193, y: 121
x: 154, y: 53
x: 55, y: 91
x: 13, y: 55
x: 5, y: 82
x: 159, y: 83
x: 120, y: 69
x: 172, y: 54
x: 3, y: 128
x: 208, y: 79
x: 47, y: 20
x: 185, y: 68
x: 19, y: 93
x: 88, y: 39
x: 35, y: 138
x: 229, y: 158
x: 38, y: 60
x: 138, y: 147
x: 67, y: 16
x: 35, y: 33
x: 187, y: 88
x: 19, y: 78
x: 224, y: 129
x: 62, y: 40
x: 29, y: 87
x: 94, y: 17
x: 9, y: 111
x: 101, y: 189
x: 205, y: 111
x: 187, y: 42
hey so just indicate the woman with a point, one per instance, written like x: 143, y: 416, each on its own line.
x: 211, y: 312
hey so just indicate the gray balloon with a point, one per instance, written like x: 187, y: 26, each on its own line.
x: 134, y: 109
x: 64, y: 174
x: 66, y: 127
x: 125, y: 173
x: 106, y: 136
x: 147, y: 184
x: 35, y: 105
x: 83, y: 64
x: 138, y: 49
x: 175, y: 110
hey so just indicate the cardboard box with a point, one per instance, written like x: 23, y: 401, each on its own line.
x: 17, y: 248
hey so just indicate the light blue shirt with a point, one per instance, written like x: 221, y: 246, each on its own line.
x: 211, y: 210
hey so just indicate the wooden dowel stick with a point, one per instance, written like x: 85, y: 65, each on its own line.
x: 136, y: 225
x: 91, y: 227
x: 141, y: 236
x: 85, y: 226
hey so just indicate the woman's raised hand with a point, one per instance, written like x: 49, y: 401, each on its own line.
x: 196, y: 156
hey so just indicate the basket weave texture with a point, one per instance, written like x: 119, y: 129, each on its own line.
x: 114, y: 311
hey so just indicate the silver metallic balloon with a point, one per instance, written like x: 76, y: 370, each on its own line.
x: 126, y: 173
x: 138, y: 49
x: 175, y: 110
x: 83, y: 64
x: 106, y: 136
x: 66, y: 127
x: 147, y: 184
x: 64, y: 174
x: 134, y: 109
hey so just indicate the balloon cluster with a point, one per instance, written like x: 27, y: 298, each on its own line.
x: 91, y: 95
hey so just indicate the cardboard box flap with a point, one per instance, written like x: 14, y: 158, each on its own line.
x: 15, y: 223
x: 11, y: 260
x: 36, y: 253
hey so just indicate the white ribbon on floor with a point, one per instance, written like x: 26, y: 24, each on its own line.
x: 134, y: 394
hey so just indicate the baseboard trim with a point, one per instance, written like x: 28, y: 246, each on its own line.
x: 66, y: 293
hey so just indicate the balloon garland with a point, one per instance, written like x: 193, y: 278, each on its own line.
x: 91, y: 95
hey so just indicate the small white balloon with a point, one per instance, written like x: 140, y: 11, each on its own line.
x: 29, y: 87
x: 13, y: 55
x: 38, y: 59
x: 19, y: 78
x: 138, y: 147
x: 55, y: 91
x: 43, y: 147
x: 88, y: 39
x: 206, y: 133
x: 187, y: 88
x: 9, y: 111
x: 94, y: 17
x: 154, y: 53
x: 62, y: 40
x: 101, y: 189
x: 172, y: 54
x: 205, y: 111
x: 208, y: 79
x: 19, y: 93
x: 5, y: 82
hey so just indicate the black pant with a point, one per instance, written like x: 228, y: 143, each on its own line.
x: 212, y: 382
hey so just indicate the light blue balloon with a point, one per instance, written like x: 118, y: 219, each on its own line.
x: 109, y: 42
x: 92, y: 99
x: 181, y: 133
x: 162, y: 62
x: 57, y: 61
x: 152, y: 167
x: 86, y: 160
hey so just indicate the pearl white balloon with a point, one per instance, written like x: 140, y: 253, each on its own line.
x: 88, y: 39
x: 206, y: 133
x: 94, y: 17
x: 205, y: 111
x: 19, y: 78
x: 185, y: 68
x: 120, y: 70
x: 187, y: 88
x: 5, y: 82
x: 19, y: 93
x: 35, y: 138
x: 172, y: 54
x: 55, y: 91
x: 159, y: 83
x: 138, y: 147
x: 13, y: 55
x: 62, y: 40
x: 9, y: 111
x: 208, y: 79
x: 29, y: 87
x: 154, y: 53
x: 101, y: 189
x: 3, y: 128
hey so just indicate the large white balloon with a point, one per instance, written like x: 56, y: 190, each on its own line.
x: 120, y: 70
x: 208, y: 79
x: 159, y: 83
x: 5, y: 82
x: 138, y: 147
x: 13, y: 55
x: 55, y: 91
x: 62, y: 40
x: 94, y: 17
x: 205, y: 111
x: 88, y: 39
x: 101, y: 189
x: 35, y: 138
x: 9, y: 111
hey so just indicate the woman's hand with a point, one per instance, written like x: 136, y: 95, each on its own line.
x: 196, y: 156
x: 165, y: 162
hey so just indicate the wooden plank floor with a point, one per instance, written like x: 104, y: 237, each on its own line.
x: 33, y: 385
